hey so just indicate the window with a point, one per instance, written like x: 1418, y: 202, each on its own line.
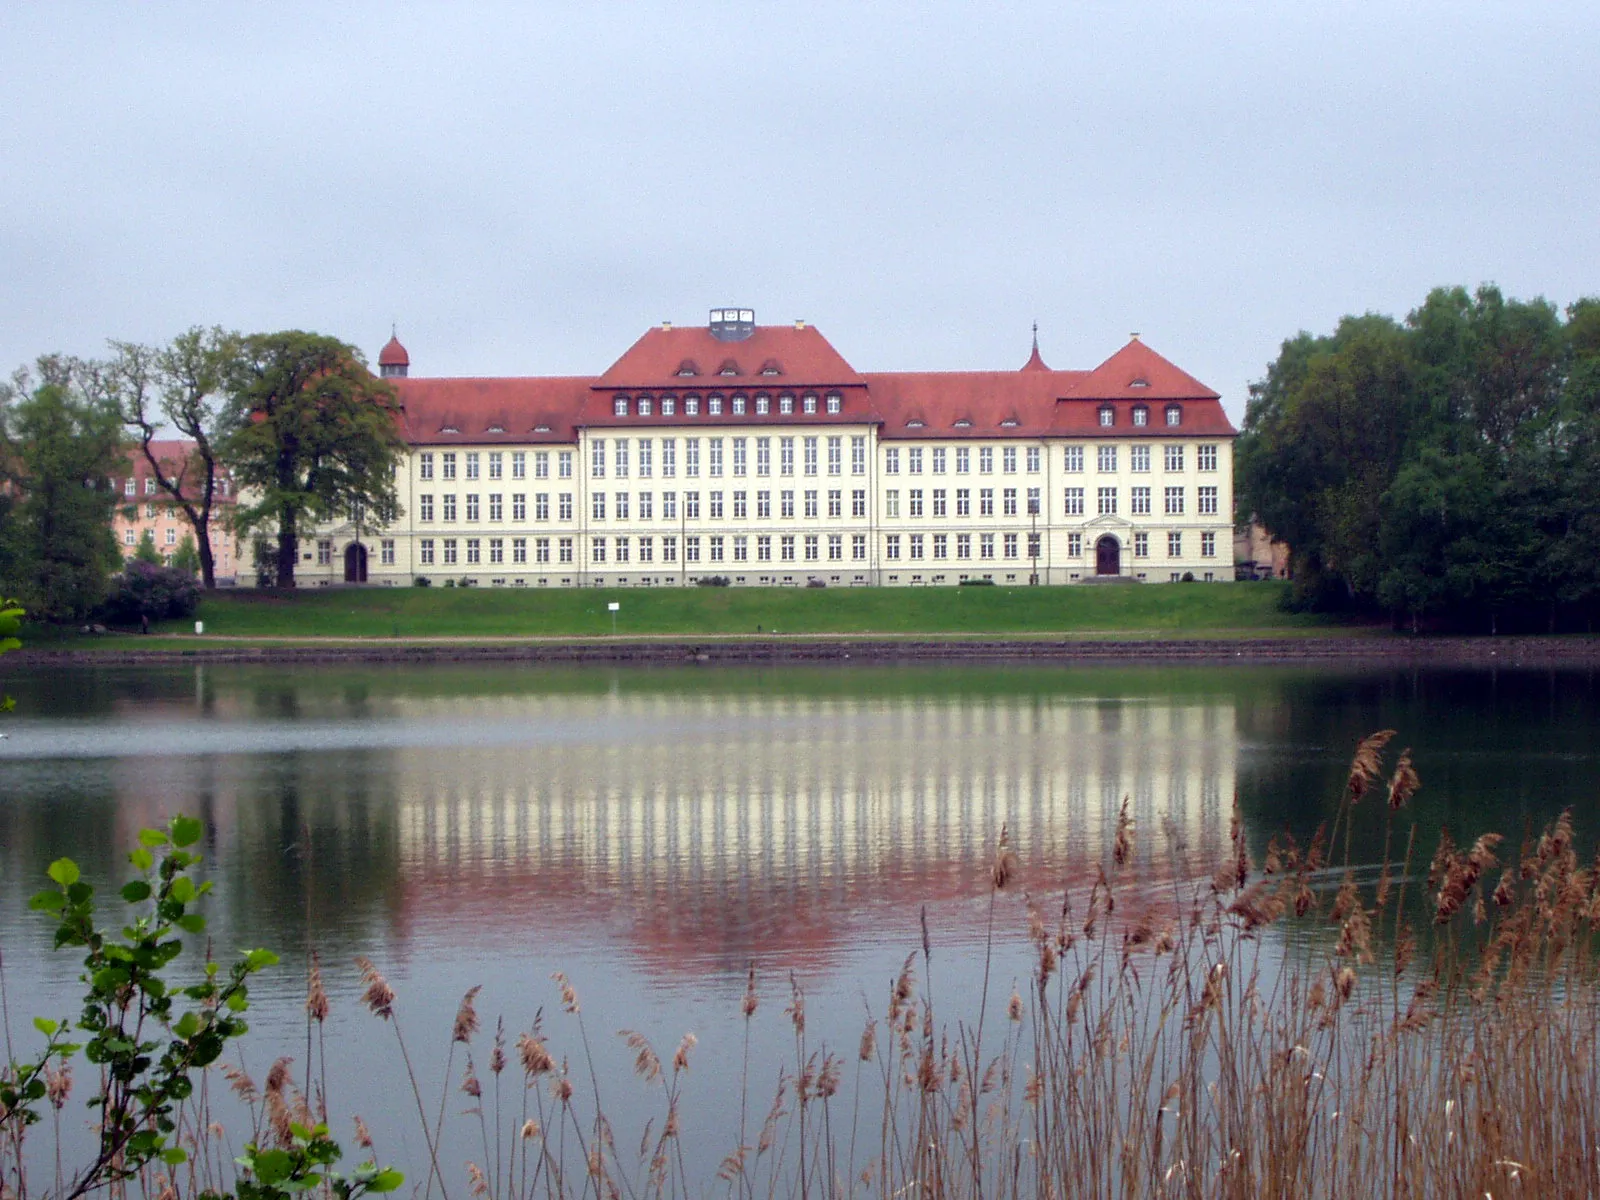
x: 835, y: 456
x: 1141, y: 415
x: 1174, y: 502
x: 128, y: 488
x: 669, y: 549
x: 809, y: 403
x: 541, y: 506
x: 564, y: 506
x: 835, y: 503
x: 1074, y: 502
x: 891, y: 502
x: 858, y: 502
x: 1074, y: 545
x: 496, y: 507
x: 1106, y: 459
x: 1208, y: 545
x: 811, y: 455
x: 738, y: 406
x: 564, y: 549
x: 914, y: 496
x: 473, y: 551
x: 669, y: 506
x: 1008, y: 460
x: 714, y: 458
x: 986, y: 460
x: 472, y: 464
x: 598, y: 506
x: 963, y: 545
x: 519, y: 550
x: 1206, y: 458
x: 1033, y: 545
x: 963, y: 460
x: 127, y: 537
x: 1009, y: 544
x: 495, y: 459
x: 622, y: 550
x: 619, y: 406
x: 941, y: 545
x: 916, y: 545
x: 786, y: 504
x: 1174, y: 415
x: 763, y: 405
x: 785, y: 405
x: 714, y: 406
x: 1172, y: 459
x: 763, y: 505
x: 938, y: 460
x: 425, y: 507
x: 786, y: 547
x: 150, y: 512
x: 644, y: 406
x: 741, y: 548
x: 1009, y: 500
x: 691, y: 408
x: 519, y: 464
x: 858, y: 455
x: 622, y: 506
x: 1106, y: 501
x: 1108, y: 416
x: 598, y: 459
x: 424, y: 470
x: 986, y: 545
x: 1139, y: 459
x: 714, y: 503
x: 1175, y: 544
x: 669, y: 458
x: 891, y: 547
x: 986, y: 502
x: 472, y: 506
x: 425, y: 552
x: 812, y: 547
x: 835, y: 402
x: 691, y: 457
x: 646, y: 448
x: 449, y: 552
x: 763, y: 456
x: 564, y: 464
x: 449, y: 506
x: 1208, y: 501
x: 1033, y: 460
x: 786, y: 456
x: 149, y: 485
x: 497, y: 550
x: 620, y: 455
x: 597, y: 549
x: 447, y: 465
x: 891, y: 461
x: 691, y: 506
x: 811, y: 502
x: 858, y: 547
x: 668, y: 406
x: 939, y: 509
x: 764, y: 547
x: 963, y: 502
x: 646, y: 505
x: 739, y: 506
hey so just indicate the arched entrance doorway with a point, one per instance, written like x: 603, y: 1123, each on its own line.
x: 1108, y: 556
x: 355, y: 563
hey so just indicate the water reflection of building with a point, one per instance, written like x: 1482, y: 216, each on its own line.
x: 722, y: 823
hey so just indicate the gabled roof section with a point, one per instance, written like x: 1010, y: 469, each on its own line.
x: 446, y: 412
x: 968, y: 404
x: 1137, y: 372
x: 808, y: 358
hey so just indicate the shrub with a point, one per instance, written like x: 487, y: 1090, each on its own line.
x: 146, y: 590
x: 422, y: 581
x: 712, y: 581
x: 450, y: 583
x: 977, y: 583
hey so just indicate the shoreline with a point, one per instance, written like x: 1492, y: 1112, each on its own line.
x: 1515, y: 651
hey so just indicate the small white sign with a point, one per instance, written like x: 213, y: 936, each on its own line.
x: 614, y: 606
x: 199, y: 626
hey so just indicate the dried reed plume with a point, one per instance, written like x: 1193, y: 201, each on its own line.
x: 316, y: 995
x: 378, y: 996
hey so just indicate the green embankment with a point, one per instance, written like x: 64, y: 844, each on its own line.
x: 1151, y: 610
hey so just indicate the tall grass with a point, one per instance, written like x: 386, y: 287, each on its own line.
x: 1296, y: 1027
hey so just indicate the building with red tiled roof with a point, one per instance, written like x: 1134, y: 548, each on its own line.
x: 143, y: 506
x: 758, y: 453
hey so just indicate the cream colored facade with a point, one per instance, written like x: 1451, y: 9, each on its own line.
x: 765, y: 506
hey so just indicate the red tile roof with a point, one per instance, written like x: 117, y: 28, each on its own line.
x: 450, y: 411
x: 1137, y: 372
x: 968, y: 403
x: 801, y: 353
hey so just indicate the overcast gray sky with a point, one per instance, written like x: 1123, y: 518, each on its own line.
x: 524, y: 188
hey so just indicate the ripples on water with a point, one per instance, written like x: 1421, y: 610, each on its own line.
x: 651, y: 833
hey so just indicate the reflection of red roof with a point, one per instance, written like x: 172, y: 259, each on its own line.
x: 393, y: 354
x: 801, y: 353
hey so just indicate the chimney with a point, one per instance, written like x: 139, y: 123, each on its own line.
x: 666, y: 327
x: 799, y: 324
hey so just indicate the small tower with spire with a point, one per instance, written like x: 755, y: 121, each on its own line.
x: 393, y: 361
x: 1035, y: 363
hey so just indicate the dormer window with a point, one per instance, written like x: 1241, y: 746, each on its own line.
x: 687, y: 369
x: 964, y: 423
x: 449, y: 429
x: 1009, y: 423
x: 738, y: 406
x: 763, y: 405
x: 1108, y: 416
x: 914, y: 423
x: 728, y: 368
x: 691, y: 406
x: 1174, y: 414
x: 619, y: 406
x: 496, y: 429
x: 667, y: 406
x: 810, y: 402
x: 714, y: 406
x: 644, y: 406
x: 1141, y: 415
x: 835, y: 402
x: 541, y: 429
x: 1141, y: 383
x: 785, y: 405
x: 771, y: 368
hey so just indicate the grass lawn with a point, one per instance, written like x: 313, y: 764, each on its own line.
x: 1149, y: 610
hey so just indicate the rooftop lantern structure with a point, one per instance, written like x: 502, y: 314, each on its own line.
x: 393, y: 361
x: 732, y: 324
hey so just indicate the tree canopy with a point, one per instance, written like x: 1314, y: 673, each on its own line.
x: 1442, y: 469
x: 314, y: 436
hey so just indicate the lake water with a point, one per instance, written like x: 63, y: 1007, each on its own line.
x: 652, y: 832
